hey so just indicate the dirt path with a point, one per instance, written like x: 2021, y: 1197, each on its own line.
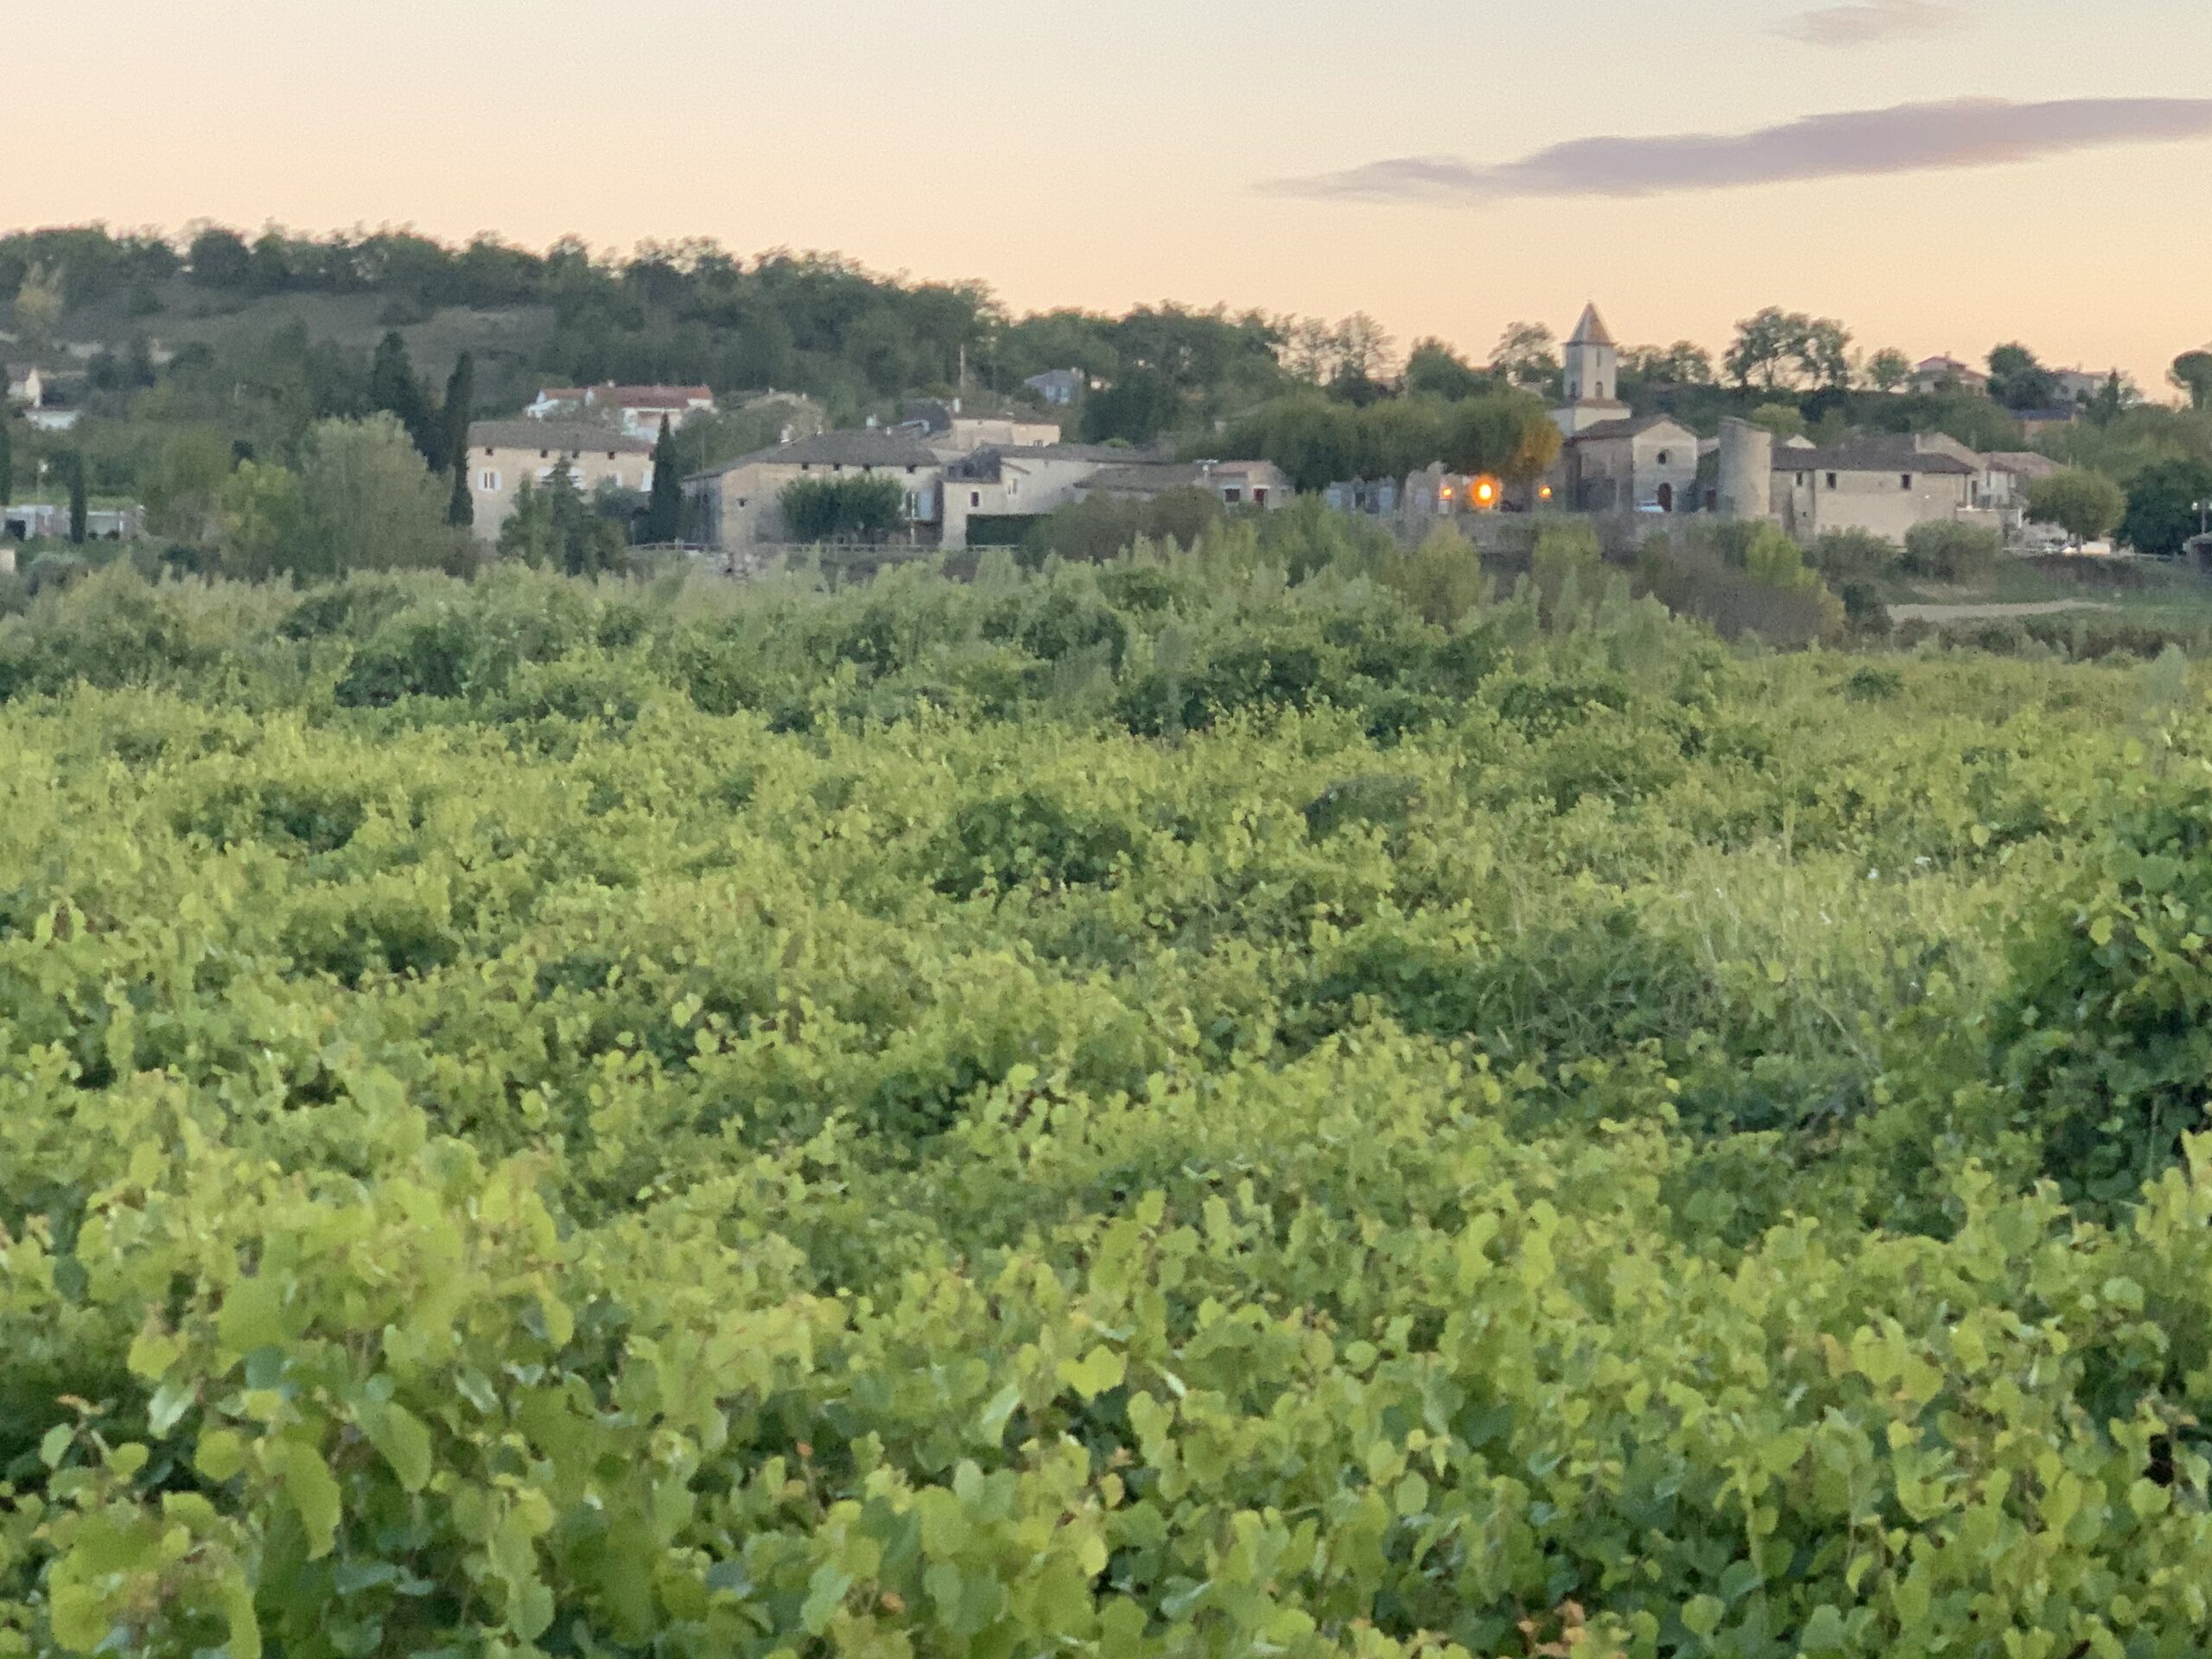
x: 1990, y: 612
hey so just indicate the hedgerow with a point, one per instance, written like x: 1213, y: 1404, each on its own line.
x: 1155, y: 1109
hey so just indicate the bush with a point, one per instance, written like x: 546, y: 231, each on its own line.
x: 1854, y: 555
x: 1963, y: 555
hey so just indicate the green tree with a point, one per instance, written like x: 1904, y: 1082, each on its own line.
x: 1435, y: 369
x: 1783, y: 420
x: 1765, y: 345
x: 459, y: 411
x: 184, y: 496
x: 1135, y: 409
x: 1888, y: 369
x: 367, y: 502
x: 2162, y: 506
x: 553, y: 527
x: 40, y: 301
x: 2018, y: 381
x: 262, y: 520
x: 2192, y: 373
x: 1527, y: 355
x: 842, y: 509
x: 80, y: 503
x: 396, y: 389
x: 664, y: 506
x: 7, y: 463
x: 2083, y: 504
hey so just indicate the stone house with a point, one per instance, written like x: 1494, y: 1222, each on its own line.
x: 1947, y: 373
x: 504, y: 455
x: 954, y: 432
x: 1884, y: 485
x: 1644, y: 464
x: 999, y: 481
x: 1238, y: 483
x: 739, y: 500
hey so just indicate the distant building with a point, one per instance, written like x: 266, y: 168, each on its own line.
x: 1884, y: 485
x: 2086, y: 386
x: 504, y: 455
x: 1644, y: 464
x: 27, y: 521
x: 740, y: 501
x: 1592, y: 376
x: 26, y: 387
x: 1938, y: 374
x: 1059, y: 387
x: 1017, y: 481
x: 954, y: 432
x: 638, y: 410
x: 1237, y: 483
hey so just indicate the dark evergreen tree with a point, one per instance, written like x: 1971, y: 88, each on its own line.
x: 664, y: 506
x: 395, y: 388
x: 459, y: 410
x: 79, y: 503
x: 7, y: 463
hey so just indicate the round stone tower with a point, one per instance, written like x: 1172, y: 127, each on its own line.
x: 1746, y: 470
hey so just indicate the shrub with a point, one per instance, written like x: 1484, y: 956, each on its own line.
x: 1961, y: 553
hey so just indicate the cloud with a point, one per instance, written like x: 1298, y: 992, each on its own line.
x: 1869, y: 23
x: 1906, y: 138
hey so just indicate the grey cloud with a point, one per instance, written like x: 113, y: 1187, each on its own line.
x: 1869, y: 23
x: 1907, y: 138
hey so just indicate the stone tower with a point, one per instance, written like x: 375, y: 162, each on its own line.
x: 1746, y: 470
x: 1593, y: 376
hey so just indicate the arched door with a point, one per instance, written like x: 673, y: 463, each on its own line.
x: 1666, y: 497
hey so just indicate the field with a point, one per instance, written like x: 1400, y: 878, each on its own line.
x: 1175, y: 1108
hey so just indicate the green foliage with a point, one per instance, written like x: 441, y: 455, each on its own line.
x: 859, y: 508
x: 1854, y: 555
x: 2163, y: 510
x: 1944, y: 551
x: 2085, y: 505
x: 1173, y: 1107
x: 664, y: 506
x: 552, y: 528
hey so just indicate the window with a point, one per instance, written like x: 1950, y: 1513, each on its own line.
x: 610, y: 455
x: 1231, y: 495
x: 545, y: 474
x: 1665, y: 455
x: 1014, y: 486
x: 975, y: 497
x: 545, y: 455
x: 490, y: 450
x: 1905, y: 481
x: 488, y: 481
x: 1800, y: 480
x: 911, y: 471
x: 1831, y: 480
x: 1574, y: 392
x: 741, y: 500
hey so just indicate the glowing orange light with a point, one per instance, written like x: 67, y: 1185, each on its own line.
x: 1546, y: 492
x: 1486, y: 491
x: 1446, y: 493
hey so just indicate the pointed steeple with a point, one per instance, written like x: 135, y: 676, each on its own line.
x: 1592, y: 330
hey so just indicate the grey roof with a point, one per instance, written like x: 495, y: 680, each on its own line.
x: 865, y: 446
x: 2023, y: 463
x: 1592, y: 330
x: 1147, y: 478
x: 566, y: 437
x: 1891, y: 452
x: 985, y: 465
x: 1629, y: 428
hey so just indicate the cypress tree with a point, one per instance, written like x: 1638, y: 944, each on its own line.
x: 394, y: 388
x: 664, y: 506
x: 80, y: 505
x: 459, y: 410
x: 7, y: 464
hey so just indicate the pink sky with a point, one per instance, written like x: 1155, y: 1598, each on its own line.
x: 1113, y: 153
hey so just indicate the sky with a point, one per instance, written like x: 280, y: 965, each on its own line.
x: 1940, y: 174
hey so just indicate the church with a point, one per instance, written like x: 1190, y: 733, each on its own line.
x: 1612, y: 461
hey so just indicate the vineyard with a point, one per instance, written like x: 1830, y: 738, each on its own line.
x: 1269, y: 1102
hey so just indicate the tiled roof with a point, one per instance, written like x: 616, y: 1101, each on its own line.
x: 1592, y: 330
x: 574, y: 437
x: 865, y: 446
x: 1894, y: 452
x: 1626, y: 429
